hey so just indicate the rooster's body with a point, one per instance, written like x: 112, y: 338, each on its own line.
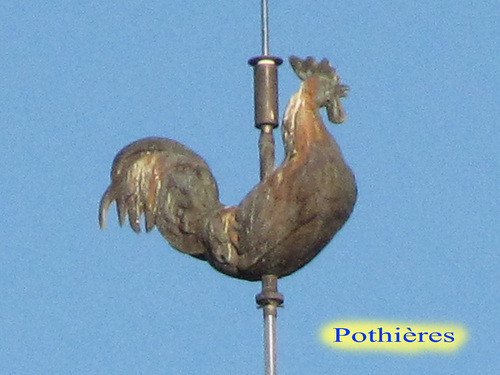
x: 280, y: 225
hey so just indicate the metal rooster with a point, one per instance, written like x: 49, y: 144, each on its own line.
x: 284, y: 222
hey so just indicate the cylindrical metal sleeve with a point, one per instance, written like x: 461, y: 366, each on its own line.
x: 266, y: 90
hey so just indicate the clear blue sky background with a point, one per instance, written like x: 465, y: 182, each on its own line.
x: 81, y: 79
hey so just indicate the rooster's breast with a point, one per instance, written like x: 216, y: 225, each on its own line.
x: 289, y: 217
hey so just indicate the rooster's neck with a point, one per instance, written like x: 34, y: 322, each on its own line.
x: 302, y: 124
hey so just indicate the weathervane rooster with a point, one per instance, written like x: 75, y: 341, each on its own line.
x: 283, y: 223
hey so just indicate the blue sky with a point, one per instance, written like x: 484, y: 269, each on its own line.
x: 82, y: 79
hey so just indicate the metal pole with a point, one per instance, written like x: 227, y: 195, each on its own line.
x: 266, y: 107
x: 265, y: 27
x: 267, y: 119
x: 266, y: 96
x: 270, y: 299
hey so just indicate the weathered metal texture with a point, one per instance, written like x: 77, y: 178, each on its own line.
x: 281, y: 225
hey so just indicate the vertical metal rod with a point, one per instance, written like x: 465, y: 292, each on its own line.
x: 266, y: 107
x: 265, y: 27
x: 270, y: 299
x: 270, y: 339
x: 266, y: 147
x: 266, y: 119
